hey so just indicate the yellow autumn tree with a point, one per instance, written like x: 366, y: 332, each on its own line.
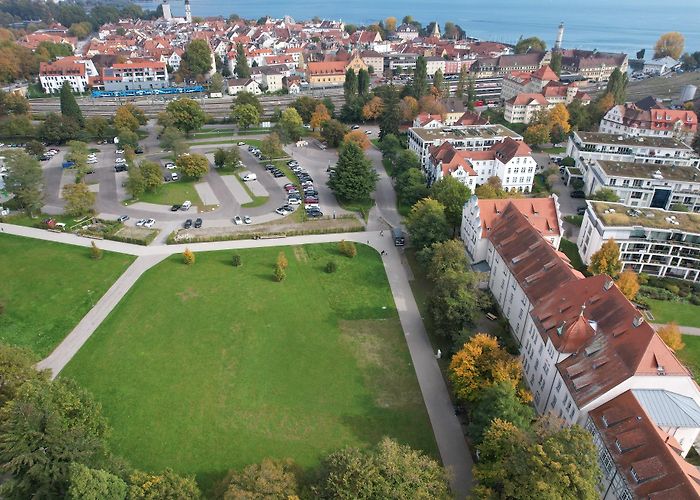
x: 559, y: 115
x: 628, y: 283
x: 358, y: 137
x: 605, y: 103
x: 390, y: 24
x: 480, y: 363
x: 669, y: 44
x: 671, y: 335
x: 319, y: 117
x: 373, y: 108
x: 188, y: 257
x: 606, y: 260
x: 409, y: 108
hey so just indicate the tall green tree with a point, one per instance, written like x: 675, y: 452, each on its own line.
x: 471, y: 93
x: 79, y: 199
x: 186, y: 114
x: 242, y: 68
x: 152, y: 175
x: 444, y: 256
x: 245, y: 115
x: 290, y: 126
x: 305, y: 106
x: 453, y: 195
x: 196, y: 60
x: 354, y: 178
x: 498, y: 401
x: 333, y: 132
x: 48, y: 426
x: 216, y: 84
x: 193, y: 166
x: 135, y: 183
x: 24, y: 180
x: 438, y: 83
x: 350, y: 86
x: 390, y: 116
x: 555, y: 63
x: 363, y: 82
x: 462, y: 82
x: 69, y: 106
x: 410, y: 186
x: 248, y: 98
x: 419, y: 86
x: 454, y: 302
x: 617, y: 86
x: 16, y: 369
x: 530, y: 44
x: 427, y: 224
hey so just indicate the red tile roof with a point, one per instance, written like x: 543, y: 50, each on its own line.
x: 509, y: 149
x: 545, y: 73
x: 541, y: 213
x: 526, y: 99
x: 326, y: 68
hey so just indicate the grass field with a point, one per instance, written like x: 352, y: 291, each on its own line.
x: 209, y: 367
x: 665, y: 311
x: 570, y: 249
x: 171, y: 193
x: 47, y: 288
x: 690, y: 355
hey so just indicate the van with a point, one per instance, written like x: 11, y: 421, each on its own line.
x: 399, y: 239
x: 186, y: 205
x: 250, y: 177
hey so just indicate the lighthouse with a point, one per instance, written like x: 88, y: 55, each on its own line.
x: 188, y: 12
x: 560, y: 37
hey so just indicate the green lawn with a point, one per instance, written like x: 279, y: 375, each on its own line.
x: 47, y: 288
x: 690, y: 354
x: 361, y: 207
x: 214, y: 133
x: 171, y: 193
x: 570, y: 249
x: 576, y: 220
x: 553, y: 150
x: 665, y: 311
x: 208, y: 367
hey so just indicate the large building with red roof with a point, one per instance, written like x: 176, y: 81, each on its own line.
x: 79, y: 72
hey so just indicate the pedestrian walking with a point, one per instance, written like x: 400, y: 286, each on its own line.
x: 381, y: 233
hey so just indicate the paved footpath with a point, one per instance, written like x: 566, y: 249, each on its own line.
x: 446, y: 427
x: 685, y: 330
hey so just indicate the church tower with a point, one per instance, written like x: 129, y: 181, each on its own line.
x: 188, y: 11
x: 167, y: 14
x: 436, y: 30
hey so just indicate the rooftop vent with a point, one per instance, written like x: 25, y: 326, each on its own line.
x: 608, y: 285
x: 657, y: 175
x: 660, y: 370
x: 637, y: 321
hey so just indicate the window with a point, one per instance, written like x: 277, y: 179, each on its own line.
x: 558, y: 385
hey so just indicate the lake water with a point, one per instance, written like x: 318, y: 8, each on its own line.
x: 615, y: 25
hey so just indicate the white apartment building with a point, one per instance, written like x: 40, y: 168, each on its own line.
x: 523, y: 108
x: 469, y: 138
x: 509, y: 160
x: 136, y: 75
x: 646, y: 185
x: 652, y: 241
x: 479, y: 217
x: 75, y: 70
x: 237, y: 85
x: 586, y: 147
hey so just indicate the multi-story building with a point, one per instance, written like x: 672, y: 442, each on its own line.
x: 646, y: 185
x: 136, y: 75
x: 480, y: 215
x: 524, y: 107
x: 472, y: 138
x: 652, y: 241
x: 650, y: 118
x: 593, y: 65
x: 75, y: 70
x: 401, y: 62
x: 586, y: 147
x: 237, y: 85
x: 510, y: 160
x: 270, y: 77
x: 433, y: 64
x: 325, y: 73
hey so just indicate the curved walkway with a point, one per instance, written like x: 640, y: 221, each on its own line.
x: 447, y: 429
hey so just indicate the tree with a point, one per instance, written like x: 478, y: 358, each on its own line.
x: 559, y: 116
x: 669, y: 44
x: 16, y: 369
x: 605, y: 194
x: 363, y: 82
x: 429, y: 104
x: 333, y: 132
x: 617, y: 86
x: 358, y: 137
x: 95, y: 252
x: 196, y: 60
x: 170, y: 137
x: 373, y: 109
x: 227, y: 158
x: 530, y: 44
x: 536, y: 134
x: 267, y: 480
x: 69, y: 106
x: 419, y: 86
x: 438, y: 83
x: 557, y: 134
x: 152, y: 176
x: 79, y: 199
x: 350, y: 84
x: 271, y: 146
x: 499, y: 401
x: 410, y: 186
x: 347, y: 248
x: 290, y: 126
x: 186, y: 114
x: 13, y: 104
x: 145, y: 486
x: 391, y: 471
x: 305, y: 106
x: 319, y: 117
x: 242, y: 68
x: 80, y: 30
x: 123, y: 119
x: 671, y: 335
x: 194, y: 166
x: 409, y: 108
x: 128, y: 138
x: 188, y: 257
x: 248, y: 98
x: 427, y: 223
x: 391, y: 114
x: 555, y: 62
x: 481, y: 363
x: 216, y: 85
x: 628, y: 283
x: 454, y: 302
x: 453, y: 195
x: 390, y: 24
x: 445, y: 256
x: 462, y: 82
x: 245, y: 115
x: 354, y: 178
x: 280, y: 274
x: 606, y: 260
x: 25, y: 180
x: 135, y: 183
x: 549, y: 461
x: 48, y: 426
x: 94, y: 484
x: 98, y: 128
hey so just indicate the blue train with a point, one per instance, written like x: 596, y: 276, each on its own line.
x: 141, y: 92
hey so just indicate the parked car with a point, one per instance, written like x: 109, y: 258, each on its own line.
x: 175, y: 176
x: 119, y: 151
x: 314, y: 212
x: 237, y: 220
x: 355, y: 127
x: 149, y: 223
x: 277, y: 174
x: 293, y: 201
x: 289, y: 186
x: 247, y: 220
x: 120, y: 160
x: 250, y: 177
x: 140, y: 222
x: 578, y: 194
x: 167, y: 178
x: 368, y: 132
x: 292, y: 163
x: 175, y: 208
x: 138, y: 151
x: 186, y: 205
x: 270, y: 167
x: 123, y: 218
x: 120, y: 168
x: 170, y: 166
x: 241, y: 143
x: 188, y: 223
x: 198, y: 223
x: 581, y: 210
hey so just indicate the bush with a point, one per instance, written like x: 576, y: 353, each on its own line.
x: 95, y: 252
x: 236, y: 260
x: 188, y: 256
x: 282, y: 260
x: 694, y: 299
x: 280, y: 273
x: 347, y: 248
x: 673, y: 289
x: 651, y: 292
x: 331, y: 267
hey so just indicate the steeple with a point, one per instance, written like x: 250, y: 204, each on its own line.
x: 167, y: 14
x: 188, y: 11
x: 436, y: 30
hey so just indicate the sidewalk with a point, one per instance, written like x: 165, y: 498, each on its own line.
x: 685, y: 330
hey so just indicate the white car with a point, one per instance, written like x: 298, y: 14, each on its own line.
x: 237, y: 220
x: 149, y: 223
x: 293, y: 201
x: 175, y: 176
x: 170, y: 166
x: 119, y: 151
x: 140, y: 222
x: 247, y: 220
x: 120, y: 160
x: 4, y: 211
x: 241, y: 143
x: 368, y: 132
x: 91, y: 162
